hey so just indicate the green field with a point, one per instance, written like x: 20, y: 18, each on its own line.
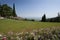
x: 18, y: 25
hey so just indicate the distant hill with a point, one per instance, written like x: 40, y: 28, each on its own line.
x: 34, y: 18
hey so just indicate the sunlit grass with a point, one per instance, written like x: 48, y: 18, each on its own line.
x: 18, y: 26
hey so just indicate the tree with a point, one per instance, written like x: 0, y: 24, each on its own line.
x: 58, y: 14
x: 58, y: 17
x: 0, y: 10
x: 6, y: 10
x: 43, y: 18
x: 14, y: 12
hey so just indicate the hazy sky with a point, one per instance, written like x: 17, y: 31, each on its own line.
x: 35, y: 8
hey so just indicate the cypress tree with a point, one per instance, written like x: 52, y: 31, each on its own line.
x: 43, y: 18
x: 0, y: 10
x: 14, y: 12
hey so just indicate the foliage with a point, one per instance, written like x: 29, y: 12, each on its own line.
x: 44, y: 34
x: 32, y: 20
x: 54, y: 19
x: 43, y: 18
x: 7, y: 11
x: 14, y: 12
x: 29, y: 19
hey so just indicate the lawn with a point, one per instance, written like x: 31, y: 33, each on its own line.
x: 18, y: 25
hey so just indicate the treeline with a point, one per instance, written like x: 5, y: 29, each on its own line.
x: 54, y: 19
x: 44, y: 19
x: 7, y: 11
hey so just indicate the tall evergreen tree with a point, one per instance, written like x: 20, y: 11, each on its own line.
x: 43, y: 18
x: 58, y: 18
x: 58, y: 14
x: 0, y: 9
x: 14, y: 12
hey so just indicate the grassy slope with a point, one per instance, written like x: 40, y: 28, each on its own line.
x: 17, y: 26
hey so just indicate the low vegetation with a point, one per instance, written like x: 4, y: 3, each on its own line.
x: 52, y: 33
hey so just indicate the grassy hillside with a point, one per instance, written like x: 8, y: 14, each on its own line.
x: 18, y: 26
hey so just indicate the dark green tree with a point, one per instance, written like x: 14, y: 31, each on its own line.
x: 58, y: 14
x: 6, y: 10
x: 43, y: 18
x: 58, y: 17
x: 0, y: 9
x: 14, y: 12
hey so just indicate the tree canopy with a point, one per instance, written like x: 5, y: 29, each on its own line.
x: 6, y: 11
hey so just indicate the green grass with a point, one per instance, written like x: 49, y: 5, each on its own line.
x: 18, y: 26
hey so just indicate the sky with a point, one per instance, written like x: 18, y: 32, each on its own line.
x: 34, y: 8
